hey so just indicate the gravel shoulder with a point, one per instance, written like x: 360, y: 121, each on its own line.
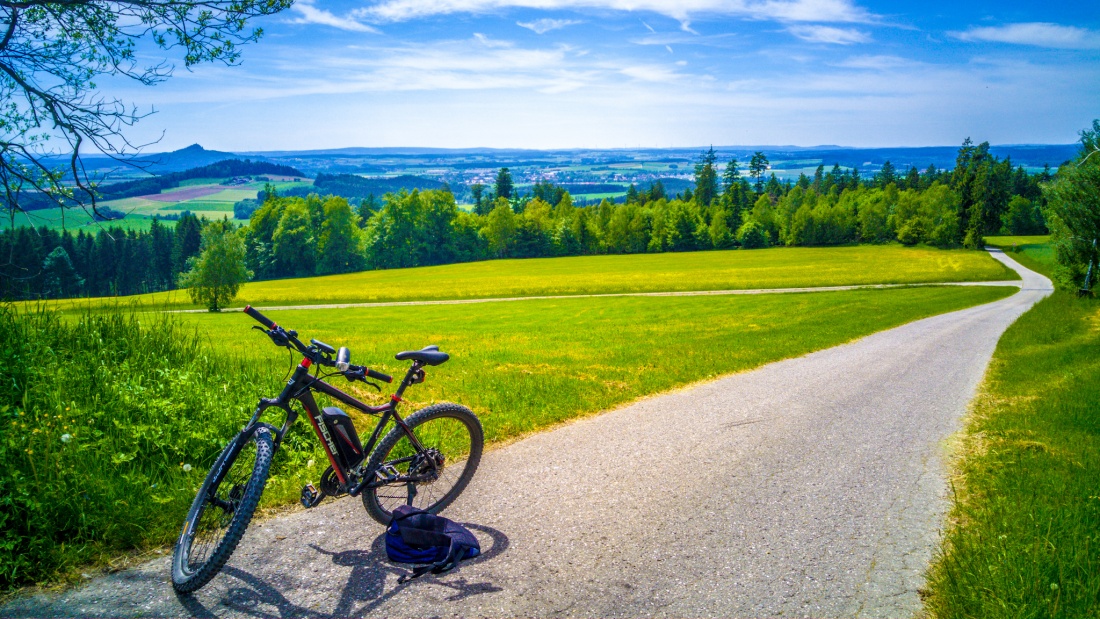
x: 809, y: 487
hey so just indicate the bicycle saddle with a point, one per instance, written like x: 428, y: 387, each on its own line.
x: 429, y: 355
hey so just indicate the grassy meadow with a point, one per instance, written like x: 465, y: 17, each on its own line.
x: 1023, y: 540
x: 788, y: 267
x: 113, y: 418
x: 1025, y: 535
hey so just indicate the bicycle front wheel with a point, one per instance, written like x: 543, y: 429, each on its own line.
x: 452, y: 439
x: 222, y: 509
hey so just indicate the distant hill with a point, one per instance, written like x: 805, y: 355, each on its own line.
x: 193, y: 156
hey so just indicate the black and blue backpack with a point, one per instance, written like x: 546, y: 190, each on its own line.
x: 416, y: 536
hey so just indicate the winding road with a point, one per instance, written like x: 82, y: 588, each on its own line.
x: 809, y: 487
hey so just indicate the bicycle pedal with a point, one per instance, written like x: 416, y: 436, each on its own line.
x: 310, y: 496
x: 387, y: 473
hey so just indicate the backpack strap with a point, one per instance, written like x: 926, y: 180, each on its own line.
x: 454, y: 555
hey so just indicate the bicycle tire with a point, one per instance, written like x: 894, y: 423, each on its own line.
x: 432, y: 436
x: 192, y: 569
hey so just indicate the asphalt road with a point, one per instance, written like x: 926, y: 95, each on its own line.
x: 809, y: 487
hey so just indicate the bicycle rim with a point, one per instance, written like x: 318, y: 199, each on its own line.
x: 446, y: 435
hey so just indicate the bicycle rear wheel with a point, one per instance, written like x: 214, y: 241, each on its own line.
x: 222, y: 509
x: 453, y: 441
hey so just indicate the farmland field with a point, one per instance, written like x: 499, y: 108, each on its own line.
x: 203, y: 197
x: 712, y: 270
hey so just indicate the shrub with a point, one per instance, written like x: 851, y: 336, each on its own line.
x: 752, y: 236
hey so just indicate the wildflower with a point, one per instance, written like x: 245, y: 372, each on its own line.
x: 310, y: 463
x: 187, y: 468
x: 65, y: 438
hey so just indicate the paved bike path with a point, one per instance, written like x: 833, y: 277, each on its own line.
x: 808, y: 487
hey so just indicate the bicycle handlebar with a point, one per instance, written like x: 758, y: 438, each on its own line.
x: 386, y: 378
x: 291, y: 338
x: 263, y: 320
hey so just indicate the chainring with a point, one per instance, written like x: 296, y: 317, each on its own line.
x: 330, y: 484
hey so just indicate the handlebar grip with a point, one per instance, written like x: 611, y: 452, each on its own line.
x: 386, y: 378
x: 263, y: 320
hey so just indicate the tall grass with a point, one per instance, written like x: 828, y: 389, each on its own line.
x: 1025, y: 540
x: 109, y: 424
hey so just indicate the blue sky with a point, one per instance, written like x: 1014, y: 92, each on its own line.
x: 651, y: 73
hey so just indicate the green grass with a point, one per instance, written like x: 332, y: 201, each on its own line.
x: 1034, y: 252
x: 1025, y: 540
x: 140, y: 401
x: 713, y: 270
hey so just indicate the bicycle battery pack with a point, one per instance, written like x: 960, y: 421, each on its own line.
x: 340, y: 428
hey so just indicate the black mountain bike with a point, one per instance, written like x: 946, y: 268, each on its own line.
x: 425, y: 460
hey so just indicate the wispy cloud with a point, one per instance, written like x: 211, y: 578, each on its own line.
x: 1040, y: 34
x: 546, y: 24
x: 309, y: 14
x: 683, y: 38
x: 829, y: 34
x: 653, y: 73
x: 829, y: 11
x: 875, y: 63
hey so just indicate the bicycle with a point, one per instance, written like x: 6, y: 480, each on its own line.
x: 426, y: 460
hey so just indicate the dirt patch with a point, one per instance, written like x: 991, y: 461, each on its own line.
x: 189, y: 193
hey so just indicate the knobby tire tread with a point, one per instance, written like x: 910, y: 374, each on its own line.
x: 442, y: 409
x: 242, y: 516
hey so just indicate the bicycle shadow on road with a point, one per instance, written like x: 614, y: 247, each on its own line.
x: 366, y: 584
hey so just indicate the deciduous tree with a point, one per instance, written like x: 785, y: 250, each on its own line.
x: 53, y: 53
x: 217, y: 273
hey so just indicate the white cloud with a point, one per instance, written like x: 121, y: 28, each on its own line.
x: 875, y: 63
x: 829, y: 34
x: 683, y: 38
x: 1040, y: 34
x: 844, y: 11
x: 544, y: 25
x: 309, y: 14
x: 652, y: 73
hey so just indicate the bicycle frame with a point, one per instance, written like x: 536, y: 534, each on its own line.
x: 301, y: 386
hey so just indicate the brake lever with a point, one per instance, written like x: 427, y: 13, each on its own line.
x: 376, y: 387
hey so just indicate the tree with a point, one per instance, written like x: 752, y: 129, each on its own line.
x: 53, y: 54
x: 217, y: 273
x: 1073, y: 210
x: 500, y: 228
x: 477, y: 193
x: 503, y: 185
x: 731, y: 177
x: 339, y: 248
x: 758, y: 165
x: 706, y: 179
x: 293, y: 243
x: 887, y: 174
x: 60, y: 278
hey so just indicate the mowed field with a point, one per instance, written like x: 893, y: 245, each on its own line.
x: 668, y: 272
x: 525, y: 366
